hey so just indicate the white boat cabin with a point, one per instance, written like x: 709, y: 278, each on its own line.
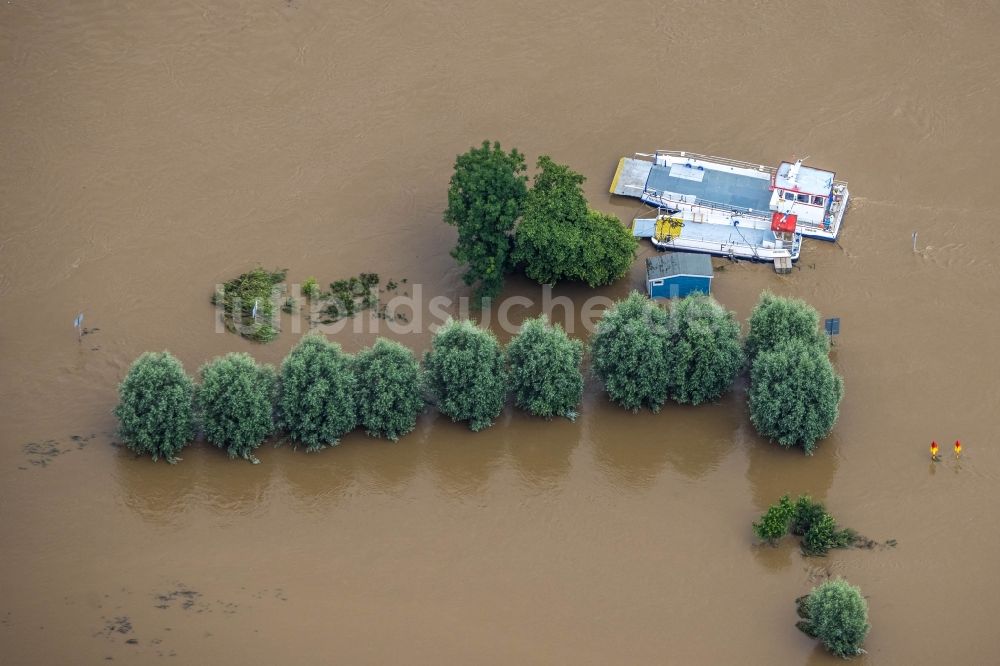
x: 802, y: 191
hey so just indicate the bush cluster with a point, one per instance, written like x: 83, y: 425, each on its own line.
x: 837, y: 614
x: 321, y: 393
x: 807, y: 519
x: 795, y: 393
x: 644, y: 355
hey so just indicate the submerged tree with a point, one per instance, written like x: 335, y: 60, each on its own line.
x: 388, y: 389
x: 484, y: 202
x: 545, y: 369
x: 704, y: 354
x: 316, y: 393
x: 629, y: 350
x: 154, y: 411
x: 837, y: 614
x: 774, y: 523
x: 236, y: 403
x: 794, y: 394
x: 776, y: 319
x: 466, y: 374
x: 559, y: 238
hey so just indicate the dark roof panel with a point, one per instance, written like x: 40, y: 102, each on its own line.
x: 678, y: 263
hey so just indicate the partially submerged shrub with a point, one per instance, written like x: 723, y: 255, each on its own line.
x: 776, y: 319
x: 465, y: 373
x: 235, y: 401
x: 837, y: 614
x: 704, y: 354
x: 795, y: 394
x: 629, y: 350
x: 807, y: 513
x: 774, y: 523
x: 316, y: 393
x: 388, y: 389
x: 545, y: 369
x: 310, y: 288
x: 155, y: 406
x: 247, y: 304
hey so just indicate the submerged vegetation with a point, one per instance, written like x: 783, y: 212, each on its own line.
x: 388, y: 389
x: 155, y: 414
x: 807, y: 519
x: 549, y: 230
x: 235, y: 401
x: 836, y: 613
x: 315, y: 402
x: 795, y: 393
x: 704, y: 353
x: 545, y: 373
x: 466, y: 373
x: 247, y: 304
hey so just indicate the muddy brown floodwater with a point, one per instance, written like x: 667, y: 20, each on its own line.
x: 152, y: 150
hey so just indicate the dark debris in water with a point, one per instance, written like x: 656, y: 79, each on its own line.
x: 182, y: 597
x: 44, y: 452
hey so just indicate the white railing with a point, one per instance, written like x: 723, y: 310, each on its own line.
x: 711, y: 158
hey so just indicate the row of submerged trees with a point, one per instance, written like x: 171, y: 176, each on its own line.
x: 320, y: 393
x: 642, y: 354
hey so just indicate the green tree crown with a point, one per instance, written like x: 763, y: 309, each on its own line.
x: 316, y: 393
x: 629, y: 350
x: 484, y: 202
x: 704, y: 353
x: 466, y: 373
x: 388, y: 389
x: 155, y: 407
x: 776, y: 319
x: 236, y: 403
x: 794, y: 394
x: 545, y: 369
x: 837, y: 614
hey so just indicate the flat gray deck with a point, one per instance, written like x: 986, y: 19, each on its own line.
x: 630, y: 179
x: 728, y: 189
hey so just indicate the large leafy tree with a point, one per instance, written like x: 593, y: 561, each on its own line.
x: 607, y: 249
x: 704, y: 354
x: 545, y: 369
x: 794, y: 394
x: 775, y: 319
x: 466, y: 373
x: 316, y: 393
x: 629, y: 350
x: 484, y: 202
x: 155, y: 406
x: 236, y: 403
x: 559, y: 238
x: 837, y: 614
x: 388, y: 390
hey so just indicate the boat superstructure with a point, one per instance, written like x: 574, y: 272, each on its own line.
x: 767, y: 209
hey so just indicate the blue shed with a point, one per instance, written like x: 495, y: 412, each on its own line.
x: 677, y: 274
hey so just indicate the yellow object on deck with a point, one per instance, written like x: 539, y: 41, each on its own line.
x: 618, y: 174
x: 668, y: 227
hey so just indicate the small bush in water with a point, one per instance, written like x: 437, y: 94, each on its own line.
x: 316, y: 393
x: 837, y: 614
x: 154, y: 411
x: 466, y: 373
x: 629, y: 350
x: 545, y: 369
x: 774, y: 523
x: 388, y: 389
x: 235, y: 401
x: 704, y: 353
x: 794, y: 394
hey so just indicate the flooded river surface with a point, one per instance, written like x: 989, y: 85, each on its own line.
x: 153, y: 150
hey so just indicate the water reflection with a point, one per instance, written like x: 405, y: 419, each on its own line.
x: 236, y: 486
x: 774, y: 470
x: 633, y: 448
x: 391, y: 465
x: 777, y: 557
x: 160, y: 493
x: 320, y: 479
x: 541, y: 452
x: 463, y: 460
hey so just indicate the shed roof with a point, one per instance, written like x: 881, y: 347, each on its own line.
x: 678, y: 263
